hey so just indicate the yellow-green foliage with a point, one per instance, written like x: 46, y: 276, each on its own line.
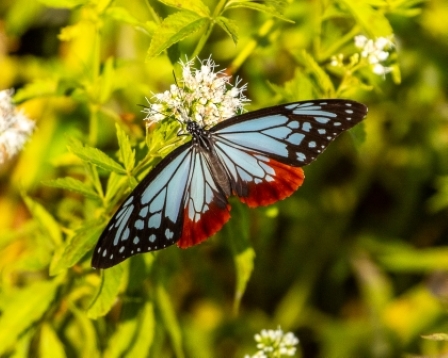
x: 355, y: 263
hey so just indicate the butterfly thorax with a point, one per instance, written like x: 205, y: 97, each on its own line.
x: 203, y: 142
x: 201, y: 136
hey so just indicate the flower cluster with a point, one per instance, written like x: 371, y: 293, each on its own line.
x: 15, y: 127
x: 275, y: 343
x: 374, y: 52
x: 202, y: 95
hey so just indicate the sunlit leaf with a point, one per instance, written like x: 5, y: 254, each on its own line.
x: 65, y: 4
x: 107, y: 292
x: 135, y: 334
x: 372, y: 21
x: 126, y: 154
x: 73, y: 185
x: 243, y: 253
x: 229, y: 26
x: 36, y: 89
x: 25, y: 307
x: 49, y: 343
x: 175, y: 28
x: 76, y: 247
x: 45, y: 219
x: 196, y: 6
x: 169, y: 318
x: 316, y: 72
x: 95, y: 156
x: 268, y: 7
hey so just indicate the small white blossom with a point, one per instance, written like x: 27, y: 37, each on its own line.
x: 375, y: 51
x: 275, y: 343
x: 201, y: 95
x: 373, y: 54
x: 15, y: 127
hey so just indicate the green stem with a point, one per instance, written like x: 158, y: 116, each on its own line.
x: 333, y: 49
x: 250, y: 46
x: 208, y: 31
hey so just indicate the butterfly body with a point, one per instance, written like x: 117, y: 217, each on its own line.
x: 256, y: 156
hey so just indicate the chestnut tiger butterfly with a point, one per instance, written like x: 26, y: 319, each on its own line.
x: 256, y: 156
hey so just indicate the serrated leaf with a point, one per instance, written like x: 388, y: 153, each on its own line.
x: 23, y: 309
x: 126, y: 154
x: 196, y: 6
x: 169, y: 318
x: 269, y: 8
x: 95, y: 156
x: 49, y: 343
x: 64, y: 4
x: 73, y: 185
x: 229, y: 26
x: 45, y: 220
x: 320, y: 76
x: 372, y: 21
x: 115, y: 185
x: 173, y: 29
x: 107, y: 292
x: 76, y: 247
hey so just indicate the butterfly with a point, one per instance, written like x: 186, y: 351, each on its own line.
x: 256, y: 156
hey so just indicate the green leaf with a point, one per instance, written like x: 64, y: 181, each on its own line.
x: 107, y: 292
x: 134, y: 336
x: 95, y: 156
x: 76, y: 247
x: 45, y: 220
x: 243, y: 253
x: 268, y: 7
x: 175, y: 28
x: 89, y: 345
x: 49, y: 343
x: 169, y: 318
x: 436, y: 337
x: 228, y: 26
x: 373, y: 22
x: 297, y: 89
x: 121, y: 14
x: 22, y: 309
x: 36, y: 89
x: 196, y: 6
x: 65, y: 4
x: 107, y: 81
x: 126, y: 154
x: 73, y: 185
x: 319, y: 75
x: 115, y: 187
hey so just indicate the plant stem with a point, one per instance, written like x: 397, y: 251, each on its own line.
x: 208, y: 31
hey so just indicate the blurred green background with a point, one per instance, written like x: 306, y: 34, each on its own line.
x: 355, y: 263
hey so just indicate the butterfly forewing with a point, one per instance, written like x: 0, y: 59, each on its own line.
x: 151, y: 217
x: 294, y: 133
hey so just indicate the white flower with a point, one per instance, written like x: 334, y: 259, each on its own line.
x: 275, y: 344
x: 201, y: 95
x: 15, y: 127
x: 375, y: 52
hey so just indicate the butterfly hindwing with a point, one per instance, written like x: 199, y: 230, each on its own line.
x: 151, y: 217
x: 206, y: 208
